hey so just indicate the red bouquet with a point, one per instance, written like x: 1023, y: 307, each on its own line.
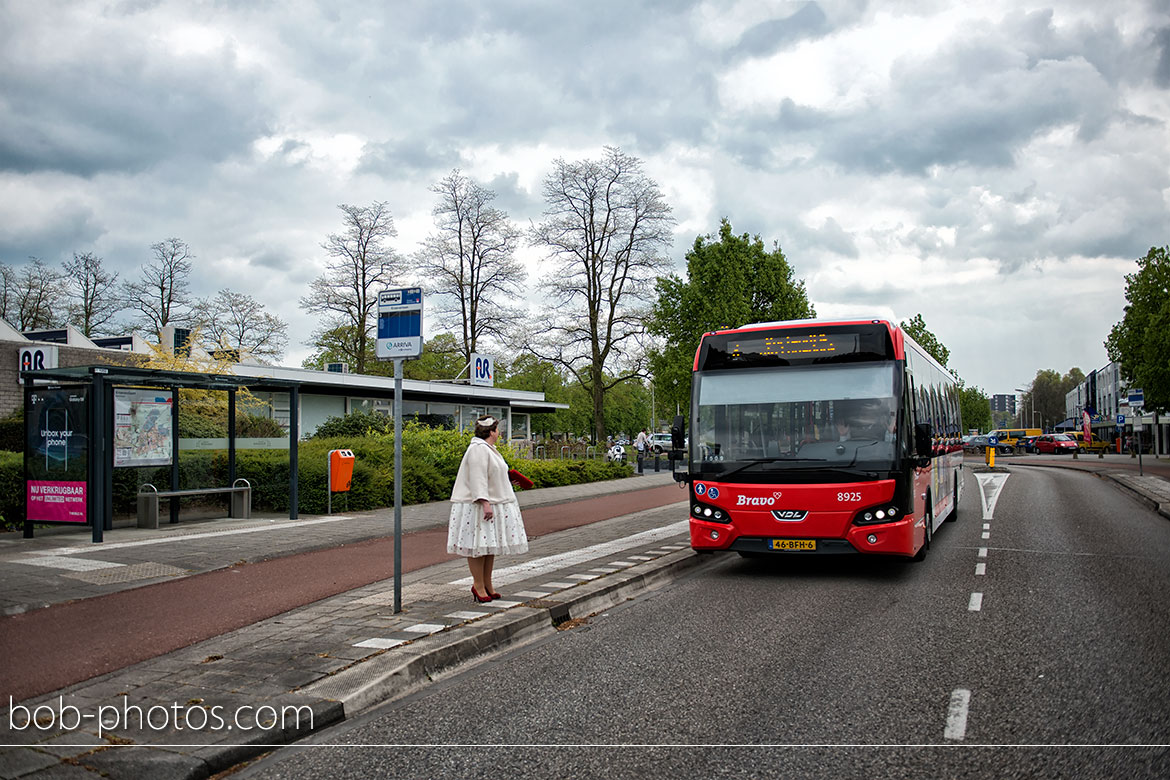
x: 519, y: 480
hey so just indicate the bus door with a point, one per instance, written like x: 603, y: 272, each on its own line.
x: 917, y: 409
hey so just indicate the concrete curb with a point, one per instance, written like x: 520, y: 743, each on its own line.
x: 400, y: 671
x: 389, y: 675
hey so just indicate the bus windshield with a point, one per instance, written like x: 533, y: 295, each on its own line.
x: 816, y: 417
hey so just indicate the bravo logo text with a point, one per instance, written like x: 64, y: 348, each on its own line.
x: 756, y: 501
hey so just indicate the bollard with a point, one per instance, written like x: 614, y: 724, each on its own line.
x: 657, y: 462
x: 991, y: 456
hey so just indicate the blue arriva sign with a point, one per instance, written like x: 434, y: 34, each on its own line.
x: 399, y: 323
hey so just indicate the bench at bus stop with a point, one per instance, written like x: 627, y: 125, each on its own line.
x: 240, y: 506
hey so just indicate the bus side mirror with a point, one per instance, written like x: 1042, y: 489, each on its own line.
x: 679, y: 462
x: 922, y: 443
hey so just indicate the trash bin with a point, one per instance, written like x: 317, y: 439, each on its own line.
x: 340, y: 470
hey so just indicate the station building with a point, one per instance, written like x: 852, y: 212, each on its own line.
x: 1105, y: 395
x: 323, y: 394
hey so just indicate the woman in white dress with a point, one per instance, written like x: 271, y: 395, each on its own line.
x: 485, y: 516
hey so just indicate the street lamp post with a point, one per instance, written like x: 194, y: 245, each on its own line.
x: 1031, y: 403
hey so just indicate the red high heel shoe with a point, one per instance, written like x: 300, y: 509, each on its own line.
x: 494, y: 595
x: 480, y: 599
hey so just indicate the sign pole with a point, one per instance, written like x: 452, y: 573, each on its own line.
x: 399, y: 337
x: 398, y: 363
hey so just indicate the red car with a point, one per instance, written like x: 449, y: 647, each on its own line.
x: 1055, y: 444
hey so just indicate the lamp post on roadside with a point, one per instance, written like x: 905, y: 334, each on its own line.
x: 1031, y: 403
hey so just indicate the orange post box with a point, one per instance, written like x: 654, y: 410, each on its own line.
x: 340, y: 470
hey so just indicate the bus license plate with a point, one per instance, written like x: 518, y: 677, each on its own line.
x: 794, y: 544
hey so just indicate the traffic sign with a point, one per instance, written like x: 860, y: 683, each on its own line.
x: 993, y: 440
x: 399, y: 323
x: 1121, y: 419
x: 1136, y: 397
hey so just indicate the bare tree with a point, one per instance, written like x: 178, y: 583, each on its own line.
x: 606, y: 230
x: 36, y: 291
x: 8, y: 286
x: 347, y: 293
x: 93, y: 299
x: 238, y: 322
x: 469, y: 263
x: 161, y: 297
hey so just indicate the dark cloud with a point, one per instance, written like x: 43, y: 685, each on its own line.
x: 118, y: 105
x: 829, y: 236
x: 65, y: 230
x: 408, y: 157
x: 1162, y: 69
x: 766, y: 38
x: 514, y: 200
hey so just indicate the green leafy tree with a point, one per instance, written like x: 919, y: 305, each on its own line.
x: 731, y: 281
x: 1139, y: 342
x: 918, y: 331
x: 975, y: 408
x: 1047, y: 394
x: 441, y: 358
x: 528, y: 372
x: 334, y: 345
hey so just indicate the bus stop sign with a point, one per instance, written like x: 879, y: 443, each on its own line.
x: 399, y: 324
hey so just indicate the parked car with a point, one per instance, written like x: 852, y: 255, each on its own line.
x: 1055, y: 444
x: 1093, y: 444
x: 1008, y: 438
x: 1026, y: 444
x: 660, y: 442
x: 974, y: 443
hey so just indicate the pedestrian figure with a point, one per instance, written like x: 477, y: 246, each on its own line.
x: 485, y: 516
x: 641, y: 443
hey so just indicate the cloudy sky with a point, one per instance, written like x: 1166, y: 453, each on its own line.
x: 995, y: 166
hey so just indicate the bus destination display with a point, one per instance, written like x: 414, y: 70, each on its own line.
x: 802, y: 346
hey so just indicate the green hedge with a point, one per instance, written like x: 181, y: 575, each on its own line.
x: 430, y: 461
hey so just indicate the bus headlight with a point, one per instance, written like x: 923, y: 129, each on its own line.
x: 876, y: 514
x: 711, y: 514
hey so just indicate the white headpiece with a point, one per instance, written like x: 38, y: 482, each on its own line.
x: 486, y: 422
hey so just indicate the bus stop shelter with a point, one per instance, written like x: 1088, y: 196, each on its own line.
x: 70, y: 435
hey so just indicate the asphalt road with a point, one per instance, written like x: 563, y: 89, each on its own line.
x: 1046, y: 637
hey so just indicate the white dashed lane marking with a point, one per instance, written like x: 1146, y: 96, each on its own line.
x: 957, y: 714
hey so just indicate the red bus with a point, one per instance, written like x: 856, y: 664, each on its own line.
x: 817, y: 437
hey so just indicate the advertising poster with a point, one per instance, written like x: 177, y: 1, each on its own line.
x: 142, y: 427
x: 56, y: 455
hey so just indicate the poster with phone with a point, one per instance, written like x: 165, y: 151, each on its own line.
x: 56, y: 455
